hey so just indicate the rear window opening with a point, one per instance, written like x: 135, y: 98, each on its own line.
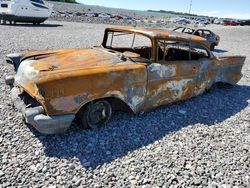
x: 180, y: 51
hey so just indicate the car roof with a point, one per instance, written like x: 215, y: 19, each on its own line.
x: 162, y: 34
x: 194, y: 29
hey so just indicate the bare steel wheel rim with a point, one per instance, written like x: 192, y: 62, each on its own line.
x: 99, y: 114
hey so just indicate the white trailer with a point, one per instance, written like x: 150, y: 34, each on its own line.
x: 30, y: 11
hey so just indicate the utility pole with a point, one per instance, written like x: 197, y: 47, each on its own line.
x: 190, y: 7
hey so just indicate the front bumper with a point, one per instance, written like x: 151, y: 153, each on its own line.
x: 14, y: 59
x: 35, y: 116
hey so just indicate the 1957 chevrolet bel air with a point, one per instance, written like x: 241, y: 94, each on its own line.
x: 134, y: 69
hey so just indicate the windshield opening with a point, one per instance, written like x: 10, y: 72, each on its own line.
x: 125, y: 42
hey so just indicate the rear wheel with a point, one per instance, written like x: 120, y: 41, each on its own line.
x: 95, y: 115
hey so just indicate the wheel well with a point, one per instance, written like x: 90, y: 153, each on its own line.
x: 221, y: 85
x: 116, y: 104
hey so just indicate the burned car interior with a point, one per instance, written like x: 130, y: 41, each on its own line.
x: 132, y: 43
x: 180, y: 51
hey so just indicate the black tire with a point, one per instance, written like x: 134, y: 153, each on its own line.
x: 95, y: 115
x: 212, y: 47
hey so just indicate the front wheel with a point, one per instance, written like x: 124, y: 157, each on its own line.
x: 95, y: 115
x: 212, y: 47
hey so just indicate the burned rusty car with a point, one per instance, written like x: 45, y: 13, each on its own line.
x: 135, y: 69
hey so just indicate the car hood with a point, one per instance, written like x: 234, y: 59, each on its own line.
x: 71, y: 59
x: 38, y: 67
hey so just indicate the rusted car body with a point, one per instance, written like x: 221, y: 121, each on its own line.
x: 52, y: 88
x: 211, y: 37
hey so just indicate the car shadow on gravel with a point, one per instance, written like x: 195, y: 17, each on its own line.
x: 32, y: 25
x: 220, y: 51
x: 127, y: 133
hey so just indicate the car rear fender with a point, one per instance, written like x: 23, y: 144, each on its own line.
x: 229, y: 69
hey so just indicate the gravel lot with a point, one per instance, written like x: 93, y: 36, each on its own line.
x: 201, y: 142
x: 74, y: 13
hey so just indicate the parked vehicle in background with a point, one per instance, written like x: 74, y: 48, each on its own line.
x: 181, y: 21
x: 235, y: 23
x: 104, y: 16
x: 30, y: 11
x: 117, y: 17
x: 211, y: 37
x: 135, y: 69
x: 231, y: 22
x: 203, y: 21
x: 90, y: 14
x: 226, y: 22
x: 245, y: 22
x: 218, y: 21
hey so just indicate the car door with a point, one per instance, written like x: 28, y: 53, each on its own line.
x: 206, y: 70
x: 170, y: 81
